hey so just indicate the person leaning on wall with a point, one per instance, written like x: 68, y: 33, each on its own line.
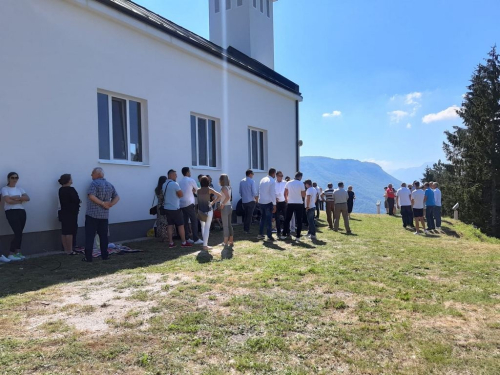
x: 14, y: 198
x: 68, y: 214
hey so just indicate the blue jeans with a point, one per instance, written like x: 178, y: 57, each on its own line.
x: 437, y: 215
x: 310, y: 221
x: 429, y: 215
x: 266, y: 219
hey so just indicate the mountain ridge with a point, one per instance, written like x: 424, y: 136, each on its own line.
x: 367, y: 178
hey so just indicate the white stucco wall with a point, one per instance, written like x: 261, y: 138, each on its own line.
x: 56, y: 54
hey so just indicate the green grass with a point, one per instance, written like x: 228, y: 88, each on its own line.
x: 380, y: 302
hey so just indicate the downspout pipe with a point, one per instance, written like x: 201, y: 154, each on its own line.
x: 297, y: 139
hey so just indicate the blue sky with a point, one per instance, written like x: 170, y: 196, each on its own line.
x: 379, y: 78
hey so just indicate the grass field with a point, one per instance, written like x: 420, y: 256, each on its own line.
x: 382, y: 301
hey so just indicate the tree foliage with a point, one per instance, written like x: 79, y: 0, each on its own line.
x: 472, y: 176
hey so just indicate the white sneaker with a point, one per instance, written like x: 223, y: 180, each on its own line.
x: 199, y: 242
x: 4, y: 259
x: 13, y: 258
x: 190, y: 241
x: 283, y: 237
x: 438, y: 228
x: 417, y: 233
x: 426, y: 232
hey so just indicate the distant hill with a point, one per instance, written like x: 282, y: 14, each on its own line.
x: 411, y: 174
x: 367, y: 179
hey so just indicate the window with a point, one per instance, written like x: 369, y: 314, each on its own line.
x: 239, y: 3
x: 268, y: 6
x: 217, y: 6
x: 228, y: 4
x: 255, y: 3
x: 204, y: 141
x: 119, y: 128
x: 262, y: 6
x: 256, y: 149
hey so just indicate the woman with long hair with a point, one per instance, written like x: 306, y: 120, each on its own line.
x: 226, y: 210
x: 161, y: 220
x: 68, y: 215
x: 205, y: 207
x: 14, y: 198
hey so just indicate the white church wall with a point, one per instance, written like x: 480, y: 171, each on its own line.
x: 60, y: 55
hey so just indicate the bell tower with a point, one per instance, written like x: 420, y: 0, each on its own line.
x: 246, y: 25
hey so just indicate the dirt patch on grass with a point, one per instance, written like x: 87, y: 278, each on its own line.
x: 105, y: 304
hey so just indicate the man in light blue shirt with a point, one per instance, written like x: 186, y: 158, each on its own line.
x: 249, y: 195
x: 430, y: 202
x: 437, y: 207
x: 173, y: 195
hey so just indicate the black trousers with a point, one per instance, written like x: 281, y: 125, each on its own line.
x: 390, y: 203
x: 17, y: 221
x: 247, y: 218
x: 407, y: 216
x: 93, y: 226
x: 297, y: 209
x: 280, y: 211
x: 317, y: 208
x: 191, y: 230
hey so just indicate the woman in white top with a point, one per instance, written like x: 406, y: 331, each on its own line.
x: 14, y: 197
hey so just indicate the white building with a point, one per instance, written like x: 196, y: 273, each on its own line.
x: 107, y: 83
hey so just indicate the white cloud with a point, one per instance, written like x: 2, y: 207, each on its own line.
x: 333, y: 114
x: 408, y: 126
x: 448, y: 114
x: 397, y: 116
x: 413, y: 98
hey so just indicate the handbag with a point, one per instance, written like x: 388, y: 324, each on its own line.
x: 202, y: 216
x: 154, y: 208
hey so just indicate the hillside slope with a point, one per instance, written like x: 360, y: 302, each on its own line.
x: 367, y: 179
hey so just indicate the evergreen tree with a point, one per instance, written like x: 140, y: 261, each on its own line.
x: 474, y: 150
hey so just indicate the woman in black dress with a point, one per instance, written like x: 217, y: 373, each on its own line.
x: 350, y: 200
x: 68, y: 215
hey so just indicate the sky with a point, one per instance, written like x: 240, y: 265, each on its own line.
x: 381, y: 79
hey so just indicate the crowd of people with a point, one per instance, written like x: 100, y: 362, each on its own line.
x: 418, y: 204
x: 188, y: 208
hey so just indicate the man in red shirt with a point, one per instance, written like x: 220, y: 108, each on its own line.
x: 390, y: 199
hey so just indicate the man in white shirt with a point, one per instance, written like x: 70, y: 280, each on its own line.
x: 280, y: 202
x: 403, y: 196
x: 186, y: 204
x: 417, y: 202
x: 310, y: 204
x: 267, y: 202
x: 295, y: 193
x: 437, y: 207
x: 340, y: 197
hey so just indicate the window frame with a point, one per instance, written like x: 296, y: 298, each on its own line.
x: 217, y: 138
x: 261, y: 149
x: 143, y: 134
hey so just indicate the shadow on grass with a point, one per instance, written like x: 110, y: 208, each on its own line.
x: 353, y: 219
x: 273, y: 246
x: 42, y: 272
x: 450, y: 232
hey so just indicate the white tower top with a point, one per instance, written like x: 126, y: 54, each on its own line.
x: 246, y: 25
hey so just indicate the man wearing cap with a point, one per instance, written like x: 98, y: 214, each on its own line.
x: 173, y: 194
x: 330, y: 204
